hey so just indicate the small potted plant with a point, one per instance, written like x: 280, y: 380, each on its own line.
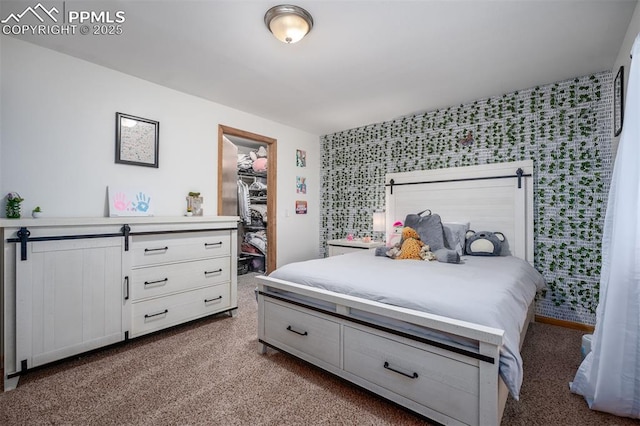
x: 13, y: 205
x: 36, y: 213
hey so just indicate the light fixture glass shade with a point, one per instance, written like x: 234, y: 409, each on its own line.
x: 379, y: 222
x: 288, y: 23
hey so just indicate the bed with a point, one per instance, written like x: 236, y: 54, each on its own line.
x: 440, y: 339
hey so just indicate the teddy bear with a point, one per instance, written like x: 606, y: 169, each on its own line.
x: 411, y: 247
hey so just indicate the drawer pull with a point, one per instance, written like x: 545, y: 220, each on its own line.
x: 156, y: 249
x: 211, y: 300
x: 156, y: 282
x: 126, y: 280
x: 411, y: 376
x: 219, y: 243
x: 297, y: 332
x: 213, y: 272
x: 155, y: 315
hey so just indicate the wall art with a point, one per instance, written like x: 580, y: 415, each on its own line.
x: 137, y: 140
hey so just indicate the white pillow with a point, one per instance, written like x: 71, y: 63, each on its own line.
x: 454, y: 235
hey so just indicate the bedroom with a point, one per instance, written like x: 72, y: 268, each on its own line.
x: 57, y: 123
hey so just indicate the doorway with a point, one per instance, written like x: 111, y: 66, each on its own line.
x: 231, y: 142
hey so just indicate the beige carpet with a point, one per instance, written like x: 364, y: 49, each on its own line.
x: 209, y: 372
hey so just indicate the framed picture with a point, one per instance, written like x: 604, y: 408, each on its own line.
x: 137, y: 140
x: 618, y: 101
x: 301, y: 185
x: 301, y: 207
x: 301, y: 158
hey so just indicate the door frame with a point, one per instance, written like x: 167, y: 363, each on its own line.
x: 272, y: 163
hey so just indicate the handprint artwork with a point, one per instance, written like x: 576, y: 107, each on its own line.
x: 126, y: 202
x: 142, y: 203
x: 120, y: 202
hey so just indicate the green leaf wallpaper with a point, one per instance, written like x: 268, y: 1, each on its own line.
x: 564, y: 127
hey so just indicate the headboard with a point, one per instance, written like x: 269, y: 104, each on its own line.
x: 491, y: 197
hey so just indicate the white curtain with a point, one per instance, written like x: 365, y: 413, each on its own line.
x: 609, y: 377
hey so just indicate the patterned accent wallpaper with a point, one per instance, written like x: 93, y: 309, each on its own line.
x: 564, y: 127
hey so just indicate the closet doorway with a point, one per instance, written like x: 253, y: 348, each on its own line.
x: 241, y: 160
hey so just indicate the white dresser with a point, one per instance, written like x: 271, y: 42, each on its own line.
x: 71, y: 285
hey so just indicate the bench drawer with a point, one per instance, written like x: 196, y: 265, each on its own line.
x: 436, y: 381
x: 291, y: 328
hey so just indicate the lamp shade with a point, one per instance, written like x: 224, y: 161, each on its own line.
x: 288, y: 23
x: 379, y: 222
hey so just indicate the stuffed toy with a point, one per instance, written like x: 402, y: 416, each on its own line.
x: 260, y: 165
x: 484, y: 243
x: 396, y: 234
x: 426, y: 254
x: 411, y: 246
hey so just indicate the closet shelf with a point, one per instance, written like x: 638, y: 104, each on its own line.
x: 252, y: 254
x: 251, y: 173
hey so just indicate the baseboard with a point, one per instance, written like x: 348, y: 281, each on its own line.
x: 567, y: 324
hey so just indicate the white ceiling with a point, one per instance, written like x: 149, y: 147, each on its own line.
x: 364, y: 61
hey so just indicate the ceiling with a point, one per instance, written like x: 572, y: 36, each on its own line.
x: 364, y: 61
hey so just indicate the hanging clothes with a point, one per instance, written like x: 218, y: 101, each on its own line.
x: 243, y: 202
x: 609, y: 376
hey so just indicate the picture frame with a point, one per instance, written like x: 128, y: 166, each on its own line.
x: 137, y: 140
x: 618, y: 101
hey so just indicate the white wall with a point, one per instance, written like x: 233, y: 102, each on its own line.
x: 58, y: 143
x: 625, y: 60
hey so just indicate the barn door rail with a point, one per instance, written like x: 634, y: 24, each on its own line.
x: 519, y: 175
x: 24, y: 237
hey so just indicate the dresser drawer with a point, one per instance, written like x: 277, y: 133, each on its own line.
x: 153, y: 281
x: 413, y: 373
x: 161, y: 248
x: 155, y: 314
x: 310, y: 334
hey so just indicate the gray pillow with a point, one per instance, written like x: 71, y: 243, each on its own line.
x: 429, y: 227
x: 454, y: 236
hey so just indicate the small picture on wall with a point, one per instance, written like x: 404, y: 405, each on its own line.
x: 301, y: 207
x: 618, y: 102
x: 301, y: 184
x: 301, y: 158
x: 129, y: 202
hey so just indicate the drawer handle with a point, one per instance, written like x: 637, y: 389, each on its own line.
x: 219, y: 243
x: 156, y: 249
x: 213, y: 272
x: 126, y: 280
x: 155, y: 315
x: 156, y: 282
x: 297, y: 332
x: 211, y: 300
x: 411, y: 376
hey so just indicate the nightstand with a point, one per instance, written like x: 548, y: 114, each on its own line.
x: 338, y: 247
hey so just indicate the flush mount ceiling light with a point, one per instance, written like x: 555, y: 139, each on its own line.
x: 288, y: 23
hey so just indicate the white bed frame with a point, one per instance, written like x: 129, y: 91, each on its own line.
x: 445, y: 382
